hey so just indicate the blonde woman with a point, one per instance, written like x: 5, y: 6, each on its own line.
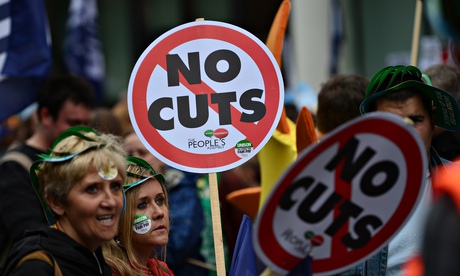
x: 79, y: 182
x: 144, y: 225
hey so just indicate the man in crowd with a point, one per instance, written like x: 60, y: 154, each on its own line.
x: 401, y: 90
x: 63, y: 102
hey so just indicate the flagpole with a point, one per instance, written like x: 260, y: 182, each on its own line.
x: 416, y: 32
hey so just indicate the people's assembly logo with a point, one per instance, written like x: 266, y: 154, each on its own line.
x: 215, y: 139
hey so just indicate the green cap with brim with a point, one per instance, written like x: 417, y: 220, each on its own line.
x: 447, y: 109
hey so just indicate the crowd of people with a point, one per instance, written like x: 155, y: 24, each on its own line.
x: 90, y: 199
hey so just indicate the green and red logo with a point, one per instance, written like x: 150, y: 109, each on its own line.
x: 219, y: 133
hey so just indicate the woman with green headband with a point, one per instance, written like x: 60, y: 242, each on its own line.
x: 144, y: 225
x: 79, y: 182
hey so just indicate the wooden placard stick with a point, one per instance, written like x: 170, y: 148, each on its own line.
x: 416, y: 32
x: 216, y: 225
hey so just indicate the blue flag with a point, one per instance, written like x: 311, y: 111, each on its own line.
x: 83, y: 48
x: 25, y: 53
x: 244, y: 262
x: 244, y: 259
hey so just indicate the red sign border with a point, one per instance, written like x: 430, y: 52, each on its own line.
x: 377, y: 124
x: 205, y: 162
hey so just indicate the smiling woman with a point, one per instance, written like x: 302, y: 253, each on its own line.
x: 79, y: 182
x: 144, y: 225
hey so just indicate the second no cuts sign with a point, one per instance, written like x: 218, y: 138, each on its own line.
x: 205, y: 96
x: 343, y: 198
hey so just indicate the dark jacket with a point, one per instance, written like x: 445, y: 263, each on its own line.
x: 20, y: 207
x: 187, y: 222
x: 71, y: 257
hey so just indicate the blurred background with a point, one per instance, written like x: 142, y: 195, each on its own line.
x: 102, y: 39
x: 324, y: 37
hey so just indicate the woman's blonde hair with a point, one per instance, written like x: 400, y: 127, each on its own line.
x: 67, y: 162
x: 119, y: 253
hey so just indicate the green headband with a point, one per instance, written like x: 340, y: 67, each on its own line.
x: 132, y: 160
x: 73, y: 131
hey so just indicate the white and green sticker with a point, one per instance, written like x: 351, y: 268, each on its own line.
x: 109, y: 172
x: 141, y: 224
x: 244, y: 148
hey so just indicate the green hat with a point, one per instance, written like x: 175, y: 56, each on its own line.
x: 387, y: 80
x: 132, y: 160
